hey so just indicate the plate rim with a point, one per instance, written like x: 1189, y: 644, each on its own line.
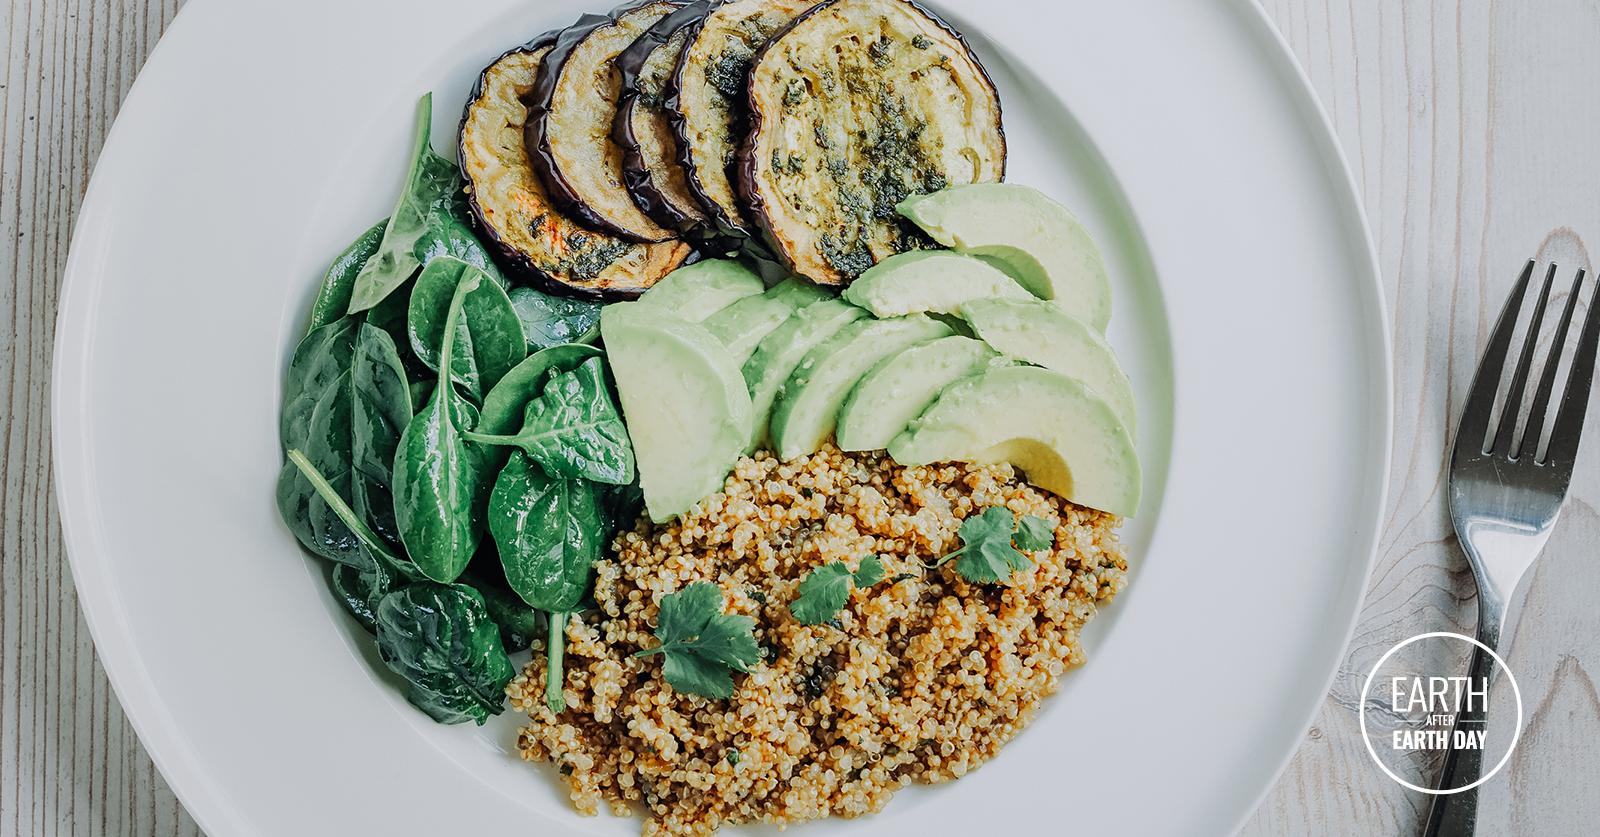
x: 174, y: 760
x: 163, y: 739
x: 1327, y: 135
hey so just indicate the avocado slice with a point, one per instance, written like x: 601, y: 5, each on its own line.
x: 807, y: 406
x: 782, y: 350
x: 1025, y: 233
x: 1065, y: 438
x: 932, y: 281
x: 684, y: 402
x: 742, y: 325
x: 900, y: 387
x: 798, y: 292
x: 697, y: 291
x: 1041, y: 333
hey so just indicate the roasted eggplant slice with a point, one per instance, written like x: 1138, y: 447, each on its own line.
x: 857, y: 105
x: 570, y: 111
x: 533, y: 241
x: 652, y: 165
x: 707, y: 98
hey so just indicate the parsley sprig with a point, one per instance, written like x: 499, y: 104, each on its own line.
x: 702, y: 645
x: 991, y: 544
x: 825, y: 590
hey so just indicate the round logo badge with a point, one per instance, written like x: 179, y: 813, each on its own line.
x: 1440, y: 711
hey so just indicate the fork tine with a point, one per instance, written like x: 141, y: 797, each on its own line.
x: 1519, y: 377
x: 1563, y: 450
x: 1547, y: 381
x: 1474, y: 427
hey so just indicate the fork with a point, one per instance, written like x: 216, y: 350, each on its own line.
x: 1505, y: 496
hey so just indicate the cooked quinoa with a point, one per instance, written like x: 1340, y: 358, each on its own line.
x: 921, y: 677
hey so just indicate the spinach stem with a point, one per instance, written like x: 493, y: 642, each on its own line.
x: 554, y: 676
x: 447, y: 342
x: 342, y: 510
x: 526, y: 439
x: 491, y: 439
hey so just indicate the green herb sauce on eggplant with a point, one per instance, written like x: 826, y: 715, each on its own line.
x: 839, y: 136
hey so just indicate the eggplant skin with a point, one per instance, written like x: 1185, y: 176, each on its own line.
x: 706, y: 101
x: 652, y: 163
x: 571, y: 109
x: 532, y: 241
x: 855, y: 106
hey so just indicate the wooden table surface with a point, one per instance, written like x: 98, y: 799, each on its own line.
x: 1471, y: 126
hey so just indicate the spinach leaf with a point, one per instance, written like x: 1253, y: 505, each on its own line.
x: 439, y: 637
x: 620, y: 507
x: 350, y: 399
x: 421, y: 392
x: 488, y: 338
x: 432, y: 189
x: 549, y: 533
x: 375, y: 556
x: 551, y: 320
x: 440, y: 481
x: 380, y: 409
x: 360, y: 591
x: 505, y: 405
x: 573, y: 429
x: 390, y: 315
x: 319, y: 359
x: 518, y: 623
x: 450, y: 234
x: 333, y: 297
x: 311, y: 517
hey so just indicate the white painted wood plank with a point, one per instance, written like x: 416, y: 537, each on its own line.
x: 1470, y: 127
x: 69, y: 762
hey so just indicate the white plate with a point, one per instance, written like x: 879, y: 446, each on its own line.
x: 261, y: 137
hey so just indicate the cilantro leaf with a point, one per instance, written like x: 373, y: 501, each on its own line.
x: 869, y: 573
x: 730, y: 641
x: 696, y: 675
x: 823, y: 592
x: 989, y: 562
x: 986, y: 555
x: 701, y: 644
x: 1035, y: 533
x: 686, y: 613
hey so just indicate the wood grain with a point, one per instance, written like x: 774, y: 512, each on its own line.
x: 1470, y: 126
x: 69, y: 762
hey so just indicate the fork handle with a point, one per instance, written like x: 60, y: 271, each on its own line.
x: 1456, y: 814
